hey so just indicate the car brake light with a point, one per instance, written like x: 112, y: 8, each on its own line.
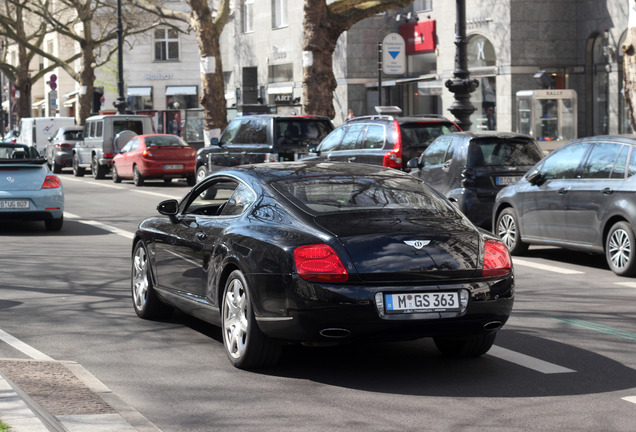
x: 147, y: 153
x: 51, y: 182
x: 319, y: 262
x: 393, y: 159
x: 496, y: 259
x: 108, y: 155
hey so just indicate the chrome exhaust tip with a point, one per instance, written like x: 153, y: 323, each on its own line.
x: 493, y: 325
x: 335, y: 333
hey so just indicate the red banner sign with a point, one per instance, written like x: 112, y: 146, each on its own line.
x: 420, y: 37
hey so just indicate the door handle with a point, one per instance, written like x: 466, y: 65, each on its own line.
x: 607, y: 191
x: 351, y: 159
x: 563, y: 191
x: 201, y: 236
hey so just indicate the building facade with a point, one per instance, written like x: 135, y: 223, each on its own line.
x: 514, y: 46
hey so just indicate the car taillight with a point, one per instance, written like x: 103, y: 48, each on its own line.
x: 108, y: 155
x: 496, y: 259
x: 319, y: 262
x: 51, y: 182
x: 147, y: 153
x: 393, y: 159
x: 63, y: 146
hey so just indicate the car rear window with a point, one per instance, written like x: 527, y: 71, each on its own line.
x: 164, y: 141
x: 73, y: 135
x: 327, y: 194
x: 421, y: 134
x: 503, y: 152
x: 301, y: 130
x: 137, y: 126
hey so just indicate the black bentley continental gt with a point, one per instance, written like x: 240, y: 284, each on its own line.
x: 310, y: 252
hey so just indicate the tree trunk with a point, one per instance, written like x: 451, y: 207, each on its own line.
x: 212, y: 86
x: 23, y: 84
x: 319, y: 44
x: 629, y: 74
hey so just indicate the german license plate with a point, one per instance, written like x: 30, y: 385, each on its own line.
x: 422, y: 302
x: 173, y: 166
x: 14, y: 204
x: 505, y: 181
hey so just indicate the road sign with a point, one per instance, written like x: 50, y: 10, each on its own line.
x: 53, y: 81
x: 393, y: 54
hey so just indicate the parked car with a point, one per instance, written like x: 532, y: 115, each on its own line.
x: 313, y: 252
x: 470, y: 168
x: 158, y: 156
x: 36, y: 131
x: 262, y: 138
x: 28, y: 190
x: 384, y: 140
x: 59, y: 151
x: 11, y: 136
x: 104, y: 135
x: 580, y: 197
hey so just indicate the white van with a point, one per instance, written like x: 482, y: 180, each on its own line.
x: 104, y: 136
x: 35, y: 131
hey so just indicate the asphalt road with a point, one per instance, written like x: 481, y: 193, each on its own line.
x: 564, y: 362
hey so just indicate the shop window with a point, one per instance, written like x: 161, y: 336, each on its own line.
x: 280, y: 73
x: 481, y: 55
x: 279, y: 14
x: 166, y: 45
x: 139, y: 98
x: 247, y: 16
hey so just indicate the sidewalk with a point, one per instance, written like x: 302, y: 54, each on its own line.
x: 58, y: 396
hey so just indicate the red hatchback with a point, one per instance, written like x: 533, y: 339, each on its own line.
x: 155, y: 157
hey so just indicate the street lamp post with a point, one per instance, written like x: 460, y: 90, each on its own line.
x: 120, y: 103
x: 461, y: 85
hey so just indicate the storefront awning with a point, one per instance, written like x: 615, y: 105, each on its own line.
x: 280, y: 90
x: 181, y: 90
x: 38, y: 103
x: 71, y: 94
x: 139, y: 91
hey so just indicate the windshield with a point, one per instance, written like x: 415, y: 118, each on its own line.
x: 11, y: 152
x: 74, y: 135
x: 503, y: 152
x: 328, y: 194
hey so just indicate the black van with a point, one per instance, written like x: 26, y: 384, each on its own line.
x: 262, y: 138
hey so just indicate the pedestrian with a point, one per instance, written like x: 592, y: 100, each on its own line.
x: 491, y: 121
x: 350, y: 114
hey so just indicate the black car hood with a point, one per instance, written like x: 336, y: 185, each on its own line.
x: 406, y: 246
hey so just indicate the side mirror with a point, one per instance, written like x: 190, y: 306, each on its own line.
x: 168, y: 207
x: 215, y: 141
x: 413, y: 164
x: 534, y: 177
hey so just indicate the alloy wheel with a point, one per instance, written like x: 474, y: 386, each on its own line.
x: 235, y: 319
x: 140, y: 278
x: 507, y: 230
x: 620, y: 249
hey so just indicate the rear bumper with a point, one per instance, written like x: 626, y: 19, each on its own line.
x: 334, y: 313
x: 161, y: 172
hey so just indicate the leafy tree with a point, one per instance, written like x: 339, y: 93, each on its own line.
x: 323, y: 24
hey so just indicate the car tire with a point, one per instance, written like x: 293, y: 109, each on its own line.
x: 202, y: 172
x: 77, y: 170
x: 54, y: 224
x: 191, y: 179
x: 138, y: 179
x: 507, y: 229
x: 620, y: 249
x: 56, y: 167
x: 116, y: 178
x: 99, y: 171
x: 465, y: 347
x: 146, y: 303
x: 245, y: 345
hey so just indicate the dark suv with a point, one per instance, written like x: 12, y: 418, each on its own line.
x: 384, y: 140
x: 469, y: 168
x: 262, y: 138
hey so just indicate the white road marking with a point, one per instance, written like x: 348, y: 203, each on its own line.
x: 97, y: 224
x: 527, y: 361
x: 631, y: 399
x: 163, y: 195
x: 545, y: 267
x: 21, y: 346
x: 627, y: 284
